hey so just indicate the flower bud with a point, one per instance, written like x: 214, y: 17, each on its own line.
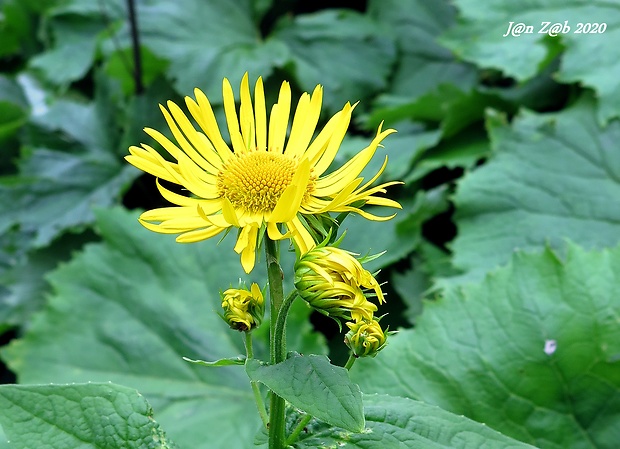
x: 365, y: 338
x: 243, y: 309
x: 333, y: 282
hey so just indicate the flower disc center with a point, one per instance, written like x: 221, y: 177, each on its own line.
x: 255, y: 181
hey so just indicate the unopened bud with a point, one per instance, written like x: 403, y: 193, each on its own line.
x: 243, y: 309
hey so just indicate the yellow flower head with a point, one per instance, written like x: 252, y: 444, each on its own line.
x: 243, y: 309
x: 334, y: 282
x: 365, y: 338
x: 264, y: 178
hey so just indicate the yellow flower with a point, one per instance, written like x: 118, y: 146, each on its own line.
x: 266, y: 179
x: 334, y: 282
x: 243, y: 309
x: 365, y: 338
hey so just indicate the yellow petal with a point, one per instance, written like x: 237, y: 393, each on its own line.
x: 290, y: 200
x: 198, y: 146
x: 246, y: 246
x: 304, y: 122
x: 274, y: 233
x: 320, y: 142
x: 203, y: 113
x: 149, y: 161
x: 229, y: 212
x: 246, y: 114
x: 278, y: 121
x: 327, y: 157
x: 199, y: 235
x: 261, y: 116
x: 230, y: 110
x: 301, y: 236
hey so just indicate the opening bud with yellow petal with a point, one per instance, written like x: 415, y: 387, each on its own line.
x: 334, y: 283
x: 365, y: 338
x: 243, y: 309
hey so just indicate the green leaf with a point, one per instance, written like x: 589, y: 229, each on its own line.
x: 13, y: 107
x: 531, y: 351
x: 591, y: 59
x: 228, y: 361
x: 394, y: 422
x: 206, y: 42
x: 26, y: 287
x: 398, y: 236
x: 74, y: 51
x: 423, y: 64
x: 343, y: 50
x: 463, y: 150
x: 448, y: 106
x: 312, y: 384
x: 88, y: 416
x: 552, y: 177
x: 127, y: 310
x: 75, y: 161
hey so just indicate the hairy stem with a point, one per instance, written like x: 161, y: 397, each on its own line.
x: 350, y: 361
x: 257, y: 396
x: 300, y: 427
x: 277, y: 349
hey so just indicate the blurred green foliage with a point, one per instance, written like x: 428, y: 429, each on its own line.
x: 506, y: 144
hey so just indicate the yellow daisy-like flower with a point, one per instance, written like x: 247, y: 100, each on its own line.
x: 265, y: 179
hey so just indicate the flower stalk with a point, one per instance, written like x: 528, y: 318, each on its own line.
x: 260, y: 405
x: 277, y: 346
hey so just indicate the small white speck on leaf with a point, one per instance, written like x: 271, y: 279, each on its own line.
x: 550, y: 346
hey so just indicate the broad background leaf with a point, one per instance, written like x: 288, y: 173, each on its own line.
x: 532, y: 351
x: 346, y: 52
x: 588, y: 58
x: 396, y: 422
x: 88, y: 416
x: 552, y: 176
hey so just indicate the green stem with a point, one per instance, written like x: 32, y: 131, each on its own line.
x: 350, y: 362
x: 280, y: 328
x: 257, y: 396
x: 295, y: 434
x: 277, y: 349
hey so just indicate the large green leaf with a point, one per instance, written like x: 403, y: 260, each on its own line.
x: 23, y: 280
x: 127, y: 310
x: 13, y: 110
x: 552, y: 177
x: 207, y: 41
x: 315, y: 386
x: 394, y: 422
x: 85, y: 416
x: 346, y: 52
x: 73, y: 54
x: 428, y: 82
x: 398, y: 236
x: 74, y: 161
x: 423, y: 64
x: 533, y: 351
x: 591, y: 59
